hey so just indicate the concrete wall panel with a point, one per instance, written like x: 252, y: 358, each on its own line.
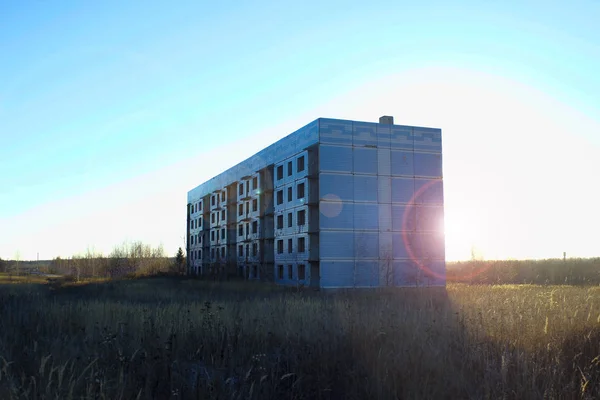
x: 366, y: 245
x: 384, y: 189
x: 335, y: 131
x: 404, y: 245
x: 366, y: 216
x: 365, y: 160
x: 403, y: 217
x: 403, y: 190
x: 429, y: 218
x: 334, y: 186
x: 337, y: 274
x: 401, y: 137
x: 386, y: 246
x: 335, y: 159
x: 366, y: 274
x: 384, y: 135
x: 385, y: 217
x: 365, y: 134
x: 428, y: 165
x: 427, y: 139
x: 429, y: 191
x: 336, y: 244
x: 402, y: 163
x: 336, y: 215
x: 365, y: 188
x: 384, y: 161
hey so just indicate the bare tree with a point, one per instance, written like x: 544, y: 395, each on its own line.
x: 18, y: 262
x: 387, y: 272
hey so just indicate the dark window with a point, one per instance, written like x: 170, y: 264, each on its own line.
x: 280, y: 197
x: 254, y: 249
x: 301, y: 220
x: 280, y: 247
x: 241, y: 188
x: 223, y: 233
x: 301, y: 272
x: 241, y: 250
x: 241, y: 209
x: 212, y: 200
x: 247, y: 186
x: 300, y: 191
x: 301, y: 245
x: 280, y: 172
x: 212, y: 235
x: 247, y: 228
x: 191, y: 239
x: 289, y: 194
x: 222, y: 252
x: 290, y: 245
x: 223, y: 215
x: 255, y: 183
x: 199, y: 254
x: 289, y: 220
x: 200, y: 206
x: 223, y: 198
x: 247, y: 250
x: 290, y: 272
x: 199, y: 238
x: 199, y: 222
x: 254, y: 226
x: 280, y: 222
x: 212, y: 218
x: 280, y: 271
x: 300, y: 164
x: 254, y: 205
x: 289, y: 168
x: 255, y: 271
x: 241, y: 230
x: 247, y: 207
x: 218, y: 197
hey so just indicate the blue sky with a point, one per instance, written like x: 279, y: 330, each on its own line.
x: 111, y: 111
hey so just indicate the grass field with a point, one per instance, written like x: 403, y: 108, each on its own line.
x: 161, y: 338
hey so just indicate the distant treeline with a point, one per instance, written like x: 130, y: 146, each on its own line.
x: 139, y: 259
x: 572, y: 271
x: 127, y: 259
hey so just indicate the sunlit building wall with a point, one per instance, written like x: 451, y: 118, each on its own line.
x: 336, y: 204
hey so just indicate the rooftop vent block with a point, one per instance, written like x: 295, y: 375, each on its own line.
x: 386, y: 119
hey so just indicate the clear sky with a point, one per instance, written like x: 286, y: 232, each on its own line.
x: 111, y: 111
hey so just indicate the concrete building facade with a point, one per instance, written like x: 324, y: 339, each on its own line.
x: 336, y: 204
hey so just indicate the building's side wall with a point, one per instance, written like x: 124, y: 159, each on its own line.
x: 222, y: 238
x: 296, y: 232
x: 198, y: 229
x: 381, y: 205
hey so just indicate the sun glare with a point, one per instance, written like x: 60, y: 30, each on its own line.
x: 460, y: 236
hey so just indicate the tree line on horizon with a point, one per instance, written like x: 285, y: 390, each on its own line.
x: 128, y: 259
x: 572, y: 271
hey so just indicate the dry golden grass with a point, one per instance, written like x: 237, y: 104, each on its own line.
x: 181, y: 338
